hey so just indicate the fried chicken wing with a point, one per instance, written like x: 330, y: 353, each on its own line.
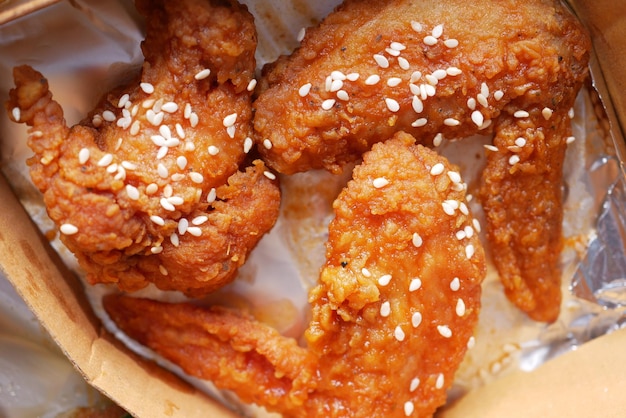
x: 392, y: 313
x: 443, y: 70
x: 148, y: 187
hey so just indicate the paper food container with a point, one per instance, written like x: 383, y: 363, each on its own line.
x: 575, y: 367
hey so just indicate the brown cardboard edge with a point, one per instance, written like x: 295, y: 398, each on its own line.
x: 56, y: 298
x: 586, y: 382
x: 15, y: 10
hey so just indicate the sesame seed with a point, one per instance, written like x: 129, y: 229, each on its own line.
x: 478, y: 118
x: 199, y: 220
x: 451, y: 43
x: 429, y: 89
x: 452, y: 71
x: 328, y: 104
x: 417, y: 240
x: 158, y: 140
x: 381, y: 60
x: 123, y: 100
x: 269, y: 175
x: 418, y: 123
x: 484, y: 89
x: 417, y: 104
x: 372, y: 80
x: 416, y: 75
x: 366, y: 272
x: 251, y: 85
x: 152, y: 188
x: 96, y: 120
x: 83, y: 155
x: 352, y: 76
x: 476, y: 224
x: 112, y: 168
x: 163, y: 270
x: 398, y: 333
x: 176, y: 200
x: 439, y: 74
x: 437, y: 31
x: 16, y: 113
x: 177, y: 176
x: 416, y: 26
x: 36, y: 134
x: 105, y: 160
x: 247, y: 145
x: 167, y: 190
x: 337, y: 75
x: 147, y: 88
x: 195, y: 231
x: 491, y: 147
x: 514, y: 159
x: 162, y: 171
x: 343, y: 95
x: 469, y: 231
x: 520, y: 142
x: 385, y: 309
x: 570, y: 113
x: 461, y: 235
x: 162, y: 152
x: 451, y: 122
x: 480, y: 98
x: 440, y: 381
x: 183, y: 225
x: 392, y: 105
x: 174, y: 239
x: 211, y: 196
x: 132, y: 192
x: 169, y: 107
x: 392, y: 52
x: 384, y: 280
x: 267, y: 144
x: 194, y: 119
x: 108, y: 116
x: 463, y: 207
x: 148, y: 103
x: 380, y: 182
x: 450, y: 207
x: 394, y: 81
x: 196, y: 177
x: 335, y: 85
x: 469, y: 251
x: 498, y: 95
x: 471, y: 103
x: 471, y: 342
x: 430, y: 40
x: 455, y: 284
x: 444, y: 331
x: 437, y: 169
x: 157, y: 220
x: 157, y: 249
x: 431, y: 79
x: 189, y: 146
x: 454, y: 176
x: 304, y: 89
x: 409, y: 408
x: 135, y: 127
x: 187, y: 111
x: 181, y: 162
x: 202, y: 74
x: 521, y: 114
x: 213, y: 150
x: 415, y: 284
x: 68, y: 229
x: 328, y: 83
x: 404, y: 63
x: 157, y: 118
x: 460, y: 307
x: 416, y: 319
x: 397, y: 46
x: 301, y: 34
x: 570, y: 139
x: 414, y: 384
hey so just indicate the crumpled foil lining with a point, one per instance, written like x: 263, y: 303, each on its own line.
x: 594, y: 261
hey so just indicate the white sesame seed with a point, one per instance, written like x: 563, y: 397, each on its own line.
x: 174, y: 239
x: 132, y: 192
x: 429, y: 89
x: 328, y: 104
x: 416, y: 75
x: 162, y: 171
x: 16, y: 113
x: 444, y: 331
x: 417, y: 104
x: 157, y: 249
x: 439, y: 74
x: 68, y: 229
x: 36, y: 134
x: 450, y: 207
x: 157, y: 119
x: 471, y: 103
x: 181, y: 162
x: 385, y: 309
x: 469, y: 251
x: 152, y: 188
x: 158, y: 140
x: 112, y: 168
x: 397, y: 46
x: 199, y: 220
x: 162, y: 152
x: 394, y: 81
x: 96, y: 120
x: 398, y: 333
x: 194, y: 119
x: 269, y: 175
x: 372, y: 80
x: 415, y: 284
x: 414, y: 384
x: 418, y: 123
x: 167, y: 190
x: 409, y: 408
x: 195, y: 231
x: 384, y: 280
x: 267, y: 144
x: 301, y: 34
x: 431, y: 79
x: 417, y: 240
x: 437, y: 31
x: 169, y: 107
x: 471, y: 342
x: 514, y: 159
x: 440, y: 381
x: 123, y: 100
x: 304, y: 89
x: 189, y: 146
x: 157, y: 105
x: 521, y: 114
x: 570, y: 139
x: 343, y: 95
x: 455, y: 284
x: 416, y: 319
x: 196, y: 177
x: 148, y: 103
x: 337, y: 75
x: 463, y: 207
x: 187, y: 111
x: 105, y: 160
x: 520, y: 142
x: 381, y: 60
x: 183, y: 225
x: 365, y: 272
x: 251, y: 85
x: 498, y: 94
x: 135, y: 127
x: 176, y: 200
x: 491, y: 147
x: 480, y: 98
x: 484, y: 89
x: 336, y: 85
x: 570, y: 113
x: 83, y: 155
x: 108, y: 116
x: 437, y: 169
x: 211, y: 196
x: 380, y: 182
x: 437, y: 140
x: 416, y: 26
x: 478, y: 118
x: 147, y: 88
x: 451, y: 43
x: 476, y: 225
x: 157, y: 220
x: 460, y: 307
x: 454, y: 176
x: 452, y: 71
x: 213, y: 150
x: 328, y: 83
x: 392, y: 105
x: 430, y: 40
x: 202, y: 74
x: 177, y: 176
x: 460, y: 235
x: 404, y: 63
x: 163, y: 270
x: 247, y: 145
x: 451, y: 122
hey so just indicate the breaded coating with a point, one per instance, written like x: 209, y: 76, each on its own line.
x: 443, y: 70
x: 148, y: 188
x: 392, y: 313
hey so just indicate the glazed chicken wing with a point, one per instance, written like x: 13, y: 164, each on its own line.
x: 148, y: 187
x: 443, y: 70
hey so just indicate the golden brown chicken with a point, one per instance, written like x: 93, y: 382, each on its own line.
x: 441, y: 71
x: 392, y: 314
x: 147, y: 189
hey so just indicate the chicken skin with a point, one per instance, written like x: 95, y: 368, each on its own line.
x: 151, y: 187
x: 443, y: 71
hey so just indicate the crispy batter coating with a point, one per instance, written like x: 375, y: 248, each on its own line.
x: 147, y: 188
x: 443, y: 70
x: 392, y: 313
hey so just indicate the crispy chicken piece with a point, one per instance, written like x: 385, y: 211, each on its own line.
x: 147, y: 189
x: 443, y: 70
x: 392, y: 313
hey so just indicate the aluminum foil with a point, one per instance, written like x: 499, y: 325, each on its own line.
x: 86, y: 47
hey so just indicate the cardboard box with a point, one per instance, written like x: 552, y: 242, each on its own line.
x: 585, y: 382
